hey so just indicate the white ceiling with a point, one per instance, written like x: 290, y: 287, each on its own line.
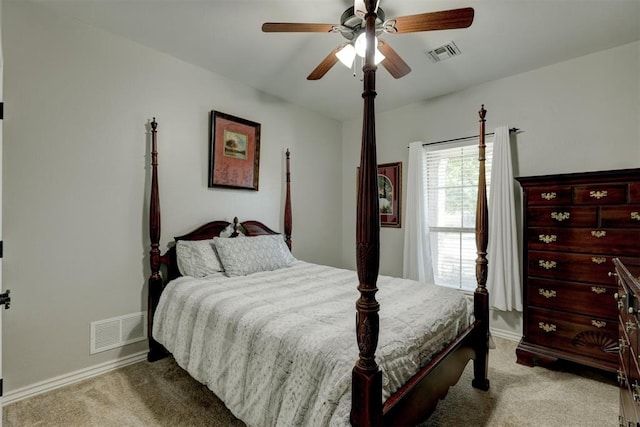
x: 507, y: 37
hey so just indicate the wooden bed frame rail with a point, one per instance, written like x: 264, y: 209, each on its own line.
x: 417, y: 399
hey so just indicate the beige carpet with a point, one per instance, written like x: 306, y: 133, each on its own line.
x: 162, y: 394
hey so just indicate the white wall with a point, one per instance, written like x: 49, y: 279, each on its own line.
x: 579, y: 115
x: 76, y: 178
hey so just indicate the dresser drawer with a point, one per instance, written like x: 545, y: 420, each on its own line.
x: 626, y: 216
x: 633, y: 380
x: 600, y: 194
x: 549, y: 195
x: 593, y: 269
x: 629, y: 408
x: 634, y: 192
x: 590, y: 240
x: 627, y: 342
x: 583, y: 335
x: 562, y: 216
x: 589, y: 300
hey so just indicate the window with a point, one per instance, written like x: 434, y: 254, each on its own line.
x: 451, y: 191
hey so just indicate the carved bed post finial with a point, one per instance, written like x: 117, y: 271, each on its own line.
x: 287, y: 205
x: 482, y: 216
x: 366, y: 408
x: 481, y: 295
x: 235, y: 227
x: 156, y: 351
x: 154, y: 208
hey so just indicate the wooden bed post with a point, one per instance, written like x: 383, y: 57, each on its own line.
x: 366, y: 408
x: 287, y: 205
x: 481, y: 295
x: 156, y: 350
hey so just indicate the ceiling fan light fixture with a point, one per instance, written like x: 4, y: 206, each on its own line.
x: 347, y: 55
x: 361, y: 48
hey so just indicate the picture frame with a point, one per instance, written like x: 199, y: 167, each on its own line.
x: 234, y: 152
x: 390, y: 194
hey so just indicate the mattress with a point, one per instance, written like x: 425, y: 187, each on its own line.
x: 278, y: 347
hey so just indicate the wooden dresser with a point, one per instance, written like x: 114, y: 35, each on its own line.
x: 574, y: 225
x: 628, y: 297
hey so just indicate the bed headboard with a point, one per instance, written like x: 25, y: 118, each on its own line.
x: 209, y: 231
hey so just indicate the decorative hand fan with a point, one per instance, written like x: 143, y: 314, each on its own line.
x: 352, y: 28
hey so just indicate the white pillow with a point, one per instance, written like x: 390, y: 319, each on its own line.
x: 197, y: 258
x: 245, y: 255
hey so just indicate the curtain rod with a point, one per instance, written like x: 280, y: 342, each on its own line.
x: 511, y: 130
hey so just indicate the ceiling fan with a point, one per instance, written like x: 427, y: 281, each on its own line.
x: 352, y: 28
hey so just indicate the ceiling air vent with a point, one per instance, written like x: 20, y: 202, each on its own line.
x: 441, y: 53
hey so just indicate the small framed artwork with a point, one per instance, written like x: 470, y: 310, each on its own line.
x: 390, y: 193
x: 234, y: 152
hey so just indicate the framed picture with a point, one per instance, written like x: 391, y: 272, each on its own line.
x: 234, y: 152
x: 390, y: 193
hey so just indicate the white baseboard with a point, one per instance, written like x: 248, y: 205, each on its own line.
x: 507, y: 335
x: 73, y: 377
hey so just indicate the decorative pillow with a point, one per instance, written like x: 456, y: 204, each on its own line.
x: 197, y: 258
x: 246, y: 255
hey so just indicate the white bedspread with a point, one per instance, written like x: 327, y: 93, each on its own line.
x: 279, y: 347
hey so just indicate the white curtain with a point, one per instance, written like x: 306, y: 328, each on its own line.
x: 503, y: 280
x: 417, y: 250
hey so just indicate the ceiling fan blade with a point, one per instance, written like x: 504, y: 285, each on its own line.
x: 392, y: 61
x: 325, y: 65
x: 293, y: 27
x: 431, y: 21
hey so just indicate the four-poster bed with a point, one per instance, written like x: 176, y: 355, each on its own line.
x: 409, y: 402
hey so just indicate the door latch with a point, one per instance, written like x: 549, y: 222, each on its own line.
x: 5, y: 299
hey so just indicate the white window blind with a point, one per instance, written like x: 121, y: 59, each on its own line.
x: 451, y: 172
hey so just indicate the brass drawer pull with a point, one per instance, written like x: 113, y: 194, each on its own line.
x: 547, y: 238
x: 598, y: 259
x: 598, y: 194
x: 547, y: 265
x: 598, y: 323
x: 635, y: 215
x: 547, y: 327
x: 636, y: 391
x: 598, y: 233
x: 630, y: 326
x: 598, y: 290
x: 623, y: 344
x: 620, y: 300
x: 622, y: 377
x: 549, y: 196
x: 547, y: 293
x: 560, y: 216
